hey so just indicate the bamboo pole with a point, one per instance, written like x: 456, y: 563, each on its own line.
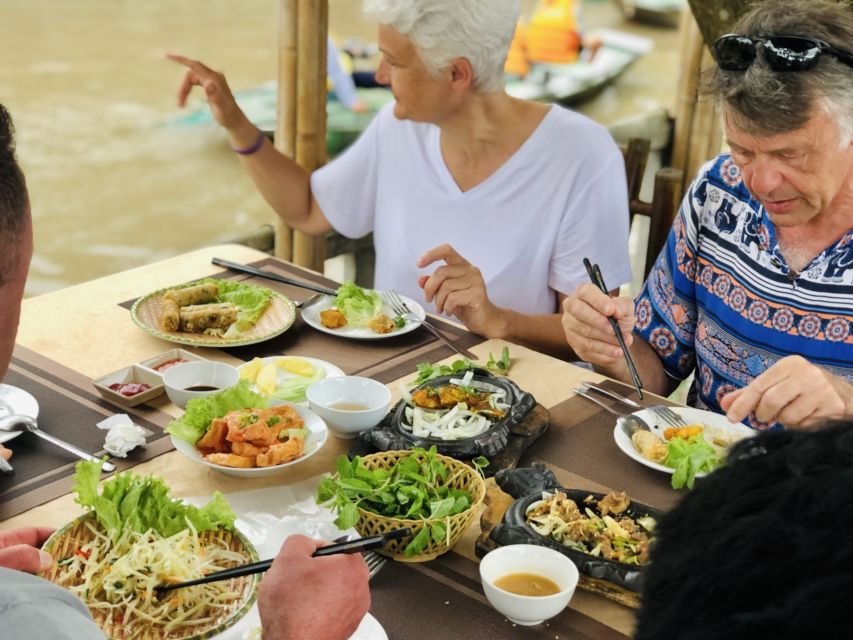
x: 285, y: 130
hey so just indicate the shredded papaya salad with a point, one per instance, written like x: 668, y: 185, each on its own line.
x: 141, y: 538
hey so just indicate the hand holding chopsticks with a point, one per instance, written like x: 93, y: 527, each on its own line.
x: 598, y: 280
x: 350, y: 546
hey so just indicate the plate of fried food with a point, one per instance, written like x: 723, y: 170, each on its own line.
x: 241, y: 433
x: 687, y: 452
x: 214, y: 313
x: 361, y: 314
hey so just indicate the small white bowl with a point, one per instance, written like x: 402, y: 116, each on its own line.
x: 199, y: 373
x: 528, y: 558
x: 343, y: 423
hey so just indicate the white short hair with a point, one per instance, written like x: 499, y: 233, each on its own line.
x: 444, y: 30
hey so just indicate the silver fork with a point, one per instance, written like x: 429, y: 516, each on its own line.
x: 374, y: 562
x: 399, y: 306
x: 666, y: 414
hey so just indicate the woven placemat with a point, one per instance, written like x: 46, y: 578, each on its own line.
x: 69, y: 408
x: 443, y: 600
x: 384, y: 360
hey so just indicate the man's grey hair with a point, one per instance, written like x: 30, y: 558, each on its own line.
x: 761, y: 101
x: 14, y: 201
x: 444, y: 30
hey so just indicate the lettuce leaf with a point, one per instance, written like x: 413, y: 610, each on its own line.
x: 358, y: 305
x: 689, y: 457
x: 128, y: 501
x: 201, y: 411
x: 293, y: 389
x: 251, y: 300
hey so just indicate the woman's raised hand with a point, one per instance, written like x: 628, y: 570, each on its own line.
x: 223, y: 106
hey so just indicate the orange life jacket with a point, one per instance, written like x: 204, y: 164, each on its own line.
x: 552, y: 35
x: 516, y: 59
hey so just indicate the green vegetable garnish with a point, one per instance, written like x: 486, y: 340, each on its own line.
x: 689, y: 457
x: 128, y: 501
x: 500, y: 366
x: 201, y: 411
x: 358, y: 305
x: 428, y: 371
x: 399, y: 322
x: 412, y: 489
x: 251, y: 301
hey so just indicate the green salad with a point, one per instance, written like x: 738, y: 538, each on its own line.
x: 202, y: 411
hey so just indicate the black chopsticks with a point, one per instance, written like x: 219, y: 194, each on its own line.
x: 350, y: 546
x: 242, y: 268
x: 598, y: 280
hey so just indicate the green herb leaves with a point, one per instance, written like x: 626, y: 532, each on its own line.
x: 689, y: 457
x: 428, y: 371
x: 415, y: 488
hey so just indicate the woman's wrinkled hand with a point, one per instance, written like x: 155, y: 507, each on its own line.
x: 223, y: 106
x: 793, y: 392
x: 19, y: 549
x: 457, y: 288
x: 587, y: 328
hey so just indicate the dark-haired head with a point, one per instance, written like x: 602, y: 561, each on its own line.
x: 14, y: 202
x: 760, y: 548
x: 761, y: 101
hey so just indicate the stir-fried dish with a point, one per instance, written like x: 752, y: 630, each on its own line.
x: 593, y: 529
x: 463, y: 408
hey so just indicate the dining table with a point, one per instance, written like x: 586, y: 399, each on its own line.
x: 68, y: 337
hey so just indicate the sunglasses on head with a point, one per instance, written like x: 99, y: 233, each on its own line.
x: 782, y: 53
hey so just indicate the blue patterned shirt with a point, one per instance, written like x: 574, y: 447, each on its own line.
x: 722, y: 300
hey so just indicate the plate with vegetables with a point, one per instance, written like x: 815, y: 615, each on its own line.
x: 287, y: 378
x: 361, y: 314
x: 134, y: 537
x: 241, y: 433
x: 687, y: 452
x: 214, y: 313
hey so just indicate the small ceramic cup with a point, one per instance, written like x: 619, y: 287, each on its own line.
x: 528, y: 558
x: 349, y: 404
x: 198, y: 379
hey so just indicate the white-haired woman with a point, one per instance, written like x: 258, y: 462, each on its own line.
x: 485, y: 202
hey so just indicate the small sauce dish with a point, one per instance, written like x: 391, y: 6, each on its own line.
x: 197, y: 379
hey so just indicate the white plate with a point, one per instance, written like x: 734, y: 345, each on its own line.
x: 313, y: 443
x: 311, y: 315
x: 369, y: 629
x: 331, y: 371
x: 657, y: 425
x: 15, y: 401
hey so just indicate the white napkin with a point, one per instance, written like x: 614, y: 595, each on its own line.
x: 122, y: 435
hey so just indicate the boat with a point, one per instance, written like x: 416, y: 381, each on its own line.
x: 572, y: 83
x: 662, y: 12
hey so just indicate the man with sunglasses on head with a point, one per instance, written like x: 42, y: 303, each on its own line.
x: 754, y: 289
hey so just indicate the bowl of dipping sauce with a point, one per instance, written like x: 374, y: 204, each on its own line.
x: 349, y: 404
x: 528, y: 583
x: 197, y: 379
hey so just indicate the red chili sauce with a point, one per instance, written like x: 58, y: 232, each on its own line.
x: 169, y: 363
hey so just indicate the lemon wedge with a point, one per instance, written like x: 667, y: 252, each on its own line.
x: 298, y: 366
x: 250, y: 370
x: 267, y: 379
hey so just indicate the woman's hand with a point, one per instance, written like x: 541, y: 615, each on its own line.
x: 588, y: 330
x: 19, y: 549
x: 223, y: 106
x: 458, y: 289
x: 794, y: 392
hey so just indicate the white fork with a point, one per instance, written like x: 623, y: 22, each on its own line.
x: 399, y: 306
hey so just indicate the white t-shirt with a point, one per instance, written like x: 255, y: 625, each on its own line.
x: 562, y: 196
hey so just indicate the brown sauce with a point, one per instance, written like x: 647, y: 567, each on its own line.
x: 527, y: 584
x: 348, y: 406
x: 201, y: 387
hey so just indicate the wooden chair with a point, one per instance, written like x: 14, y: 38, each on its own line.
x: 665, y: 199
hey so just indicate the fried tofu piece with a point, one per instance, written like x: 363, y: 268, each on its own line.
x: 381, y: 323
x: 250, y: 427
x: 214, y: 439
x: 289, y: 417
x: 248, y: 450
x: 230, y: 460
x: 282, y: 452
x: 614, y: 502
x: 332, y: 319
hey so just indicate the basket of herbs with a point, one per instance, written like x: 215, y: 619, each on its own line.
x: 433, y: 495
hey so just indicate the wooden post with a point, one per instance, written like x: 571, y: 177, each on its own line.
x: 301, y: 129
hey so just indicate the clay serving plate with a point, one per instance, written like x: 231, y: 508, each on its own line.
x: 526, y: 486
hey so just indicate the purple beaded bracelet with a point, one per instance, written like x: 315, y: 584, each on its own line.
x: 257, y: 144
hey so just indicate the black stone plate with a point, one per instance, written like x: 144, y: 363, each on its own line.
x: 390, y: 435
x: 526, y: 486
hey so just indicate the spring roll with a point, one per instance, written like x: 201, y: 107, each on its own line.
x: 198, y: 318
x: 170, y: 318
x: 198, y: 294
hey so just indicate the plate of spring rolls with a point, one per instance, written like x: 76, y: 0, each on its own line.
x: 214, y: 313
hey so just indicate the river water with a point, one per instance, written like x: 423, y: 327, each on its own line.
x: 114, y: 180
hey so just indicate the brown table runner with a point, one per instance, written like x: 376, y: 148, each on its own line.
x: 579, y: 447
x: 384, y: 360
x: 443, y: 600
x: 69, y: 408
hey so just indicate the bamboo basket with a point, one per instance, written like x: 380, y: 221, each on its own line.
x: 460, y: 476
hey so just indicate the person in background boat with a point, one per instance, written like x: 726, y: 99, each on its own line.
x: 754, y: 550
x: 501, y: 198
x: 754, y: 288
x: 340, y: 80
x: 294, y: 590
